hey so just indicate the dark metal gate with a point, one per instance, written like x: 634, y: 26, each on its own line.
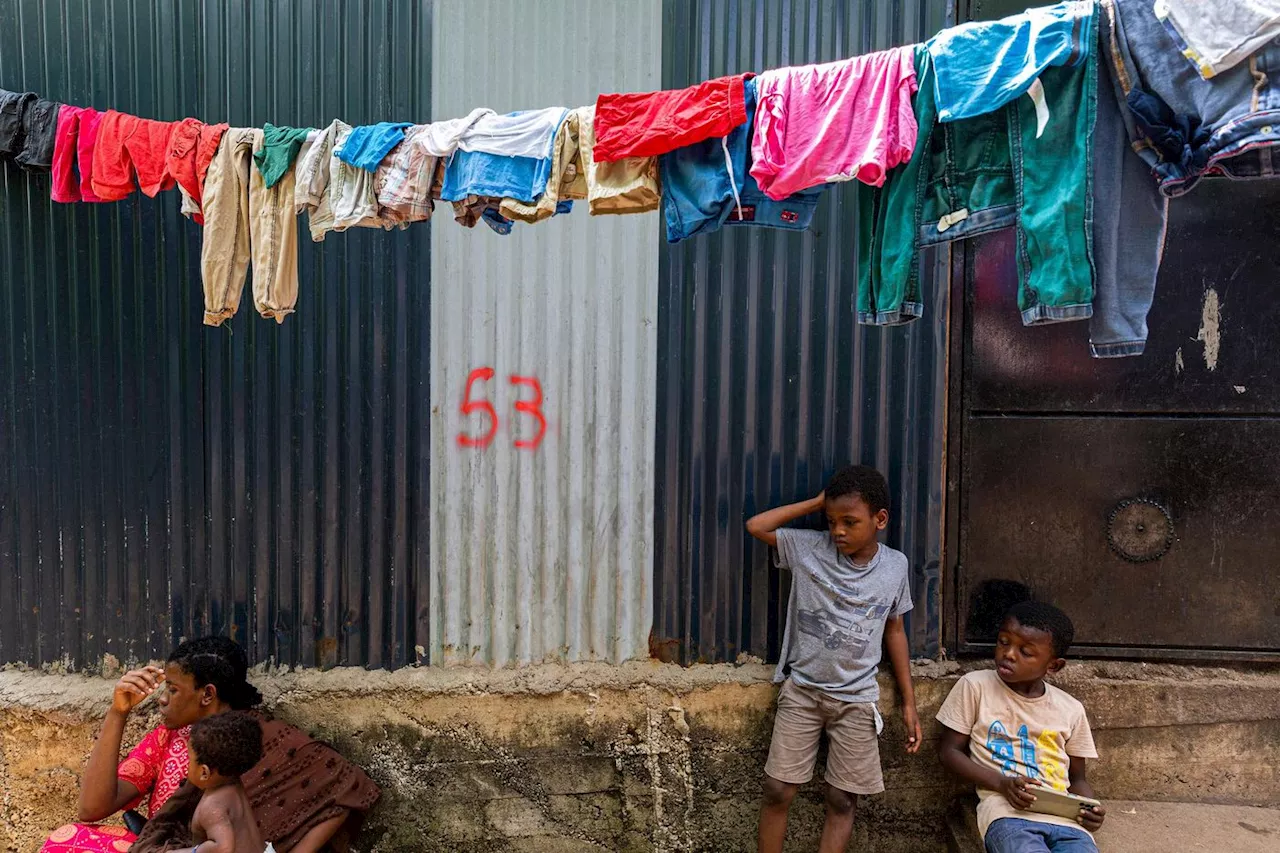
x: 1139, y: 494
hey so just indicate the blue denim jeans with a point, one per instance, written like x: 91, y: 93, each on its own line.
x: 1240, y: 107
x: 1015, y: 835
x: 1129, y: 221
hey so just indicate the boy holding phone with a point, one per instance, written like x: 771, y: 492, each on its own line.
x: 1009, y: 733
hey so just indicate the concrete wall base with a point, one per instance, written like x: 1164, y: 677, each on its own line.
x: 647, y: 756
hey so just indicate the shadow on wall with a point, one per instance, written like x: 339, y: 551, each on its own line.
x: 988, y: 604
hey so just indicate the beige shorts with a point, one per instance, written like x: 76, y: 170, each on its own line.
x: 629, y: 185
x: 853, y: 748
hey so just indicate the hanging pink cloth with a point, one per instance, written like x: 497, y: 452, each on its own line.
x: 839, y: 121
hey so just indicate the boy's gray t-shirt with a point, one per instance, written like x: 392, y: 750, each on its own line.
x: 836, y: 614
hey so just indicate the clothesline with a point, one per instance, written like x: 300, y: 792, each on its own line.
x: 742, y: 150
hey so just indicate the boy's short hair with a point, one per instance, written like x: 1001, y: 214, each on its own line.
x: 864, y: 482
x: 1045, y: 617
x: 230, y: 744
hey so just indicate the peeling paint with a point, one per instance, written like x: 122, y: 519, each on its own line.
x: 1211, y: 328
x: 1178, y: 364
x: 1240, y: 389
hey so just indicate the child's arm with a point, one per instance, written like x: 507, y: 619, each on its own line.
x: 214, y: 822
x: 765, y: 525
x: 953, y: 752
x: 895, y: 641
x: 1091, y: 819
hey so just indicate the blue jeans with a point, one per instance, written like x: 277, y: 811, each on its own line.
x: 1015, y: 835
x: 1238, y: 107
x: 1130, y: 217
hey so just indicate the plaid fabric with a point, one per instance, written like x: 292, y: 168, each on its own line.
x: 403, y: 181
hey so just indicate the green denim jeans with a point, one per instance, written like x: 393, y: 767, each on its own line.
x: 984, y: 174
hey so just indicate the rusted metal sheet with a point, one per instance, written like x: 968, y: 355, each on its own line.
x: 542, y: 534
x: 766, y: 383
x: 160, y: 479
x: 1135, y: 493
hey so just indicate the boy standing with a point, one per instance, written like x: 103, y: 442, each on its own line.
x: 848, y: 597
x: 1008, y: 732
x: 223, y: 747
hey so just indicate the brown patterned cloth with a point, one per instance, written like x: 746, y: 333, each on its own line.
x: 299, y: 784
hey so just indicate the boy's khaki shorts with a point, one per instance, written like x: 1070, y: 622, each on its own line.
x: 853, y: 748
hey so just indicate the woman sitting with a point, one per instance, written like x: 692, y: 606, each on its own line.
x: 305, y: 796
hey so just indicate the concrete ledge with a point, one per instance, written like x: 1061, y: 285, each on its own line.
x: 646, y: 756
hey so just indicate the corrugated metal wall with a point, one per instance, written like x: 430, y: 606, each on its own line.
x: 158, y: 478
x: 766, y: 384
x: 545, y: 552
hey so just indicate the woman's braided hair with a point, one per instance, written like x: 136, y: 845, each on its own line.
x: 221, y: 662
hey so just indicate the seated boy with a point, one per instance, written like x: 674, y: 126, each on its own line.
x: 222, y: 748
x: 1008, y: 732
x: 848, y: 595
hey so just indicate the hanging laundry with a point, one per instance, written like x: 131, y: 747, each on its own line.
x: 1216, y: 35
x: 408, y: 180
x: 1228, y: 123
x: 981, y: 175
x: 246, y: 221
x: 129, y: 147
x: 648, y: 124
x: 39, y: 133
x: 838, y: 121
x: 1129, y: 223
x: 983, y: 65
x: 279, y: 151
x: 191, y: 148
x: 528, y: 133
x: 441, y: 138
x: 707, y: 185
x: 73, y: 146
x: 566, y: 182
x: 1181, y: 139
x: 13, y: 110
x: 336, y: 195
x: 623, y: 186
x: 474, y: 209
x: 500, y: 176
x: 367, y: 144
x: 1221, y: 125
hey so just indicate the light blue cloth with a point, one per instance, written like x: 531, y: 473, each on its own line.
x: 981, y: 66
x: 477, y: 173
x: 367, y: 144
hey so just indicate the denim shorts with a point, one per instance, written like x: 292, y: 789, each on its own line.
x: 707, y: 185
x: 40, y: 126
x: 1015, y: 835
x: 13, y: 110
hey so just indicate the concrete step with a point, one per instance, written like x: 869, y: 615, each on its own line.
x: 1149, y: 827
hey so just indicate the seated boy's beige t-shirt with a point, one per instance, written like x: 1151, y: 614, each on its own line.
x: 1012, y: 734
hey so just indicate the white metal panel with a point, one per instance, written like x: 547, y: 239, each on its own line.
x: 543, y: 553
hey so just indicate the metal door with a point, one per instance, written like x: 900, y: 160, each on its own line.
x: 1139, y: 494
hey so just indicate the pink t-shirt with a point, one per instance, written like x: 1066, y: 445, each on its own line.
x: 834, y: 122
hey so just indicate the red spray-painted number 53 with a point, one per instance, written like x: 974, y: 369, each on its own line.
x: 530, y: 407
